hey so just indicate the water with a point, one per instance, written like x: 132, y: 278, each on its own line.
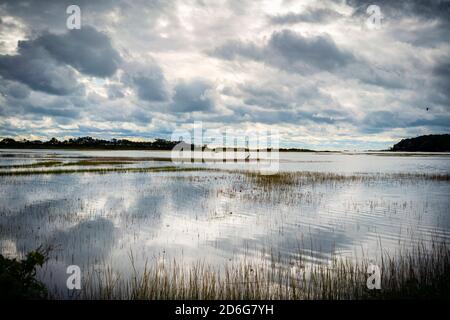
x: 99, y: 220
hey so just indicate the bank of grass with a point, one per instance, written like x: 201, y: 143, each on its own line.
x: 96, y: 163
x: 45, y: 164
x: 418, y: 273
x: 103, y: 170
x: 299, y: 178
x: 41, y: 164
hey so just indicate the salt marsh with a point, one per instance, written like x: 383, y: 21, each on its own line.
x: 147, y: 210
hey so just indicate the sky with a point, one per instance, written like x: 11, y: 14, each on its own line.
x: 324, y: 74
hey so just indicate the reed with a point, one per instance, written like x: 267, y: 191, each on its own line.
x: 421, y: 272
x: 299, y: 178
x: 32, y: 165
x: 102, y: 170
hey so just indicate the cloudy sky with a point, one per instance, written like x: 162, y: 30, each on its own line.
x: 316, y: 71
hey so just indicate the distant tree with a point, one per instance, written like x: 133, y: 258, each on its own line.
x: 8, y: 141
x: 53, y: 141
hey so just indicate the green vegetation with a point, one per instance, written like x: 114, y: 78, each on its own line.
x: 18, y: 278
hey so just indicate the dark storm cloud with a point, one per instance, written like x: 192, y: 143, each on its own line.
x: 272, y: 97
x: 63, y: 112
x: 299, y: 116
x: 320, y: 52
x: 291, y: 51
x: 293, y: 116
x: 194, y: 95
x: 43, y: 63
x: 379, y: 121
x: 87, y: 50
x: 14, y: 89
x: 440, y: 93
x: 310, y: 15
x: 147, y: 80
x: 29, y: 108
x: 442, y: 121
x: 151, y: 87
x: 376, y: 75
x: 34, y: 67
x: 442, y: 73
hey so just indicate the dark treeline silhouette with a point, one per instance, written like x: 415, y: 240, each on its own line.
x: 89, y: 143
x: 428, y: 143
x: 113, y: 144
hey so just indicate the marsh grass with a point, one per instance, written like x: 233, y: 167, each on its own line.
x: 103, y: 170
x: 266, y: 181
x: 32, y: 165
x: 299, y: 178
x: 420, y: 272
x: 96, y: 163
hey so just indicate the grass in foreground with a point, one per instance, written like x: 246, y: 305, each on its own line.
x: 418, y: 273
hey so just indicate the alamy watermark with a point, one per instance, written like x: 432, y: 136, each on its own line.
x: 74, y: 19
x: 374, y: 279
x: 257, y: 147
x: 74, y: 280
x: 374, y: 21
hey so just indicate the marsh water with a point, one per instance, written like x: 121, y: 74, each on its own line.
x: 98, y: 220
